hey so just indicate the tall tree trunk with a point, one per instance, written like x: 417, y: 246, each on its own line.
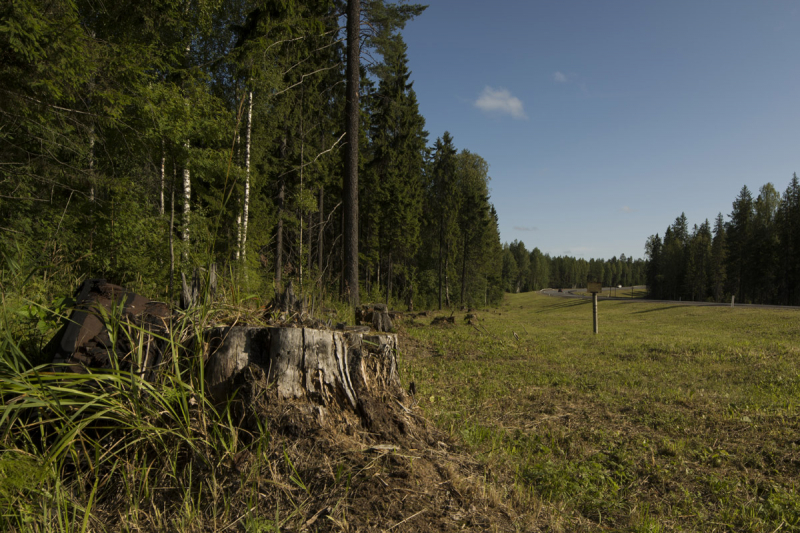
x: 350, y: 186
x: 310, y: 261
x: 321, y: 230
x: 172, y: 229
x: 464, y: 271
x: 389, y: 279
x: 242, y: 250
x: 279, y: 236
x: 187, y: 196
x: 91, y: 163
x: 441, y: 246
x: 163, y: 163
x: 302, y: 164
x: 446, y: 277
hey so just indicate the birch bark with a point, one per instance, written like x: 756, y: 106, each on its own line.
x: 242, y: 251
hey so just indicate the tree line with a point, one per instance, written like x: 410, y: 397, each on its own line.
x: 525, y: 271
x: 752, y: 257
x: 141, y: 139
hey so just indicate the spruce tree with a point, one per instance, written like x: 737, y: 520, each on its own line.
x: 443, y: 199
x: 398, y: 142
x: 739, y: 237
x: 719, y: 250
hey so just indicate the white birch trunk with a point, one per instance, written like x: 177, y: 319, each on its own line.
x: 302, y: 163
x: 163, y: 163
x: 187, y: 196
x: 246, y: 207
x: 91, y: 164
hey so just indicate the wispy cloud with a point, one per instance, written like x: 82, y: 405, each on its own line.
x: 526, y: 228
x: 559, y: 77
x: 501, y: 101
x: 626, y: 209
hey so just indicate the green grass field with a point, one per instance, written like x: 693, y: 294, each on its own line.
x: 618, y: 293
x: 673, y: 418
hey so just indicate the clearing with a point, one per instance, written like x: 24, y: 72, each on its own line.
x: 673, y: 418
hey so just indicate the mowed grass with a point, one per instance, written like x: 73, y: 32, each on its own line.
x: 673, y: 418
x: 617, y: 293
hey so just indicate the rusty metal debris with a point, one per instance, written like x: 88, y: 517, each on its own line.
x: 107, y: 326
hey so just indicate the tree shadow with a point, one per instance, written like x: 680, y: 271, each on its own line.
x: 563, y: 305
x: 659, y: 309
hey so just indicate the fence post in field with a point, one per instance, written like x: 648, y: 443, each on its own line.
x: 594, y: 288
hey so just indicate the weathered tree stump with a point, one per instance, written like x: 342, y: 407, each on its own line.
x: 191, y: 293
x: 377, y: 315
x: 322, y: 366
x: 288, y: 302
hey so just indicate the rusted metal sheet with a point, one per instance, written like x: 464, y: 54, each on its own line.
x: 85, y: 342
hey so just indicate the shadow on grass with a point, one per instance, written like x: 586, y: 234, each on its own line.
x: 659, y: 309
x: 563, y: 305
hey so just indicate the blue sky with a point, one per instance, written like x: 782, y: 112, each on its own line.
x: 603, y: 120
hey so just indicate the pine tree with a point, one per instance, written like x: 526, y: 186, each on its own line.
x: 739, y: 237
x: 443, y: 199
x: 717, y: 273
x: 473, y: 216
x: 655, y: 276
x: 788, y: 228
x: 763, y: 261
x: 398, y: 143
x: 698, y: 261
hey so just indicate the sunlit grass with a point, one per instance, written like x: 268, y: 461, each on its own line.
x: 672, y: 418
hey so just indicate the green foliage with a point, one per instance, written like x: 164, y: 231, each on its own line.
x: 752, y: 257
x: 107, y: 108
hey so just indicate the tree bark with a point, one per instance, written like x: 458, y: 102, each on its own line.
x: 163, y: 163
x: 464, y: 271
x: 302, y: 363
x: 446, y: 276
x: 171, y: 231
x: 321, y: 229
x: 302, y: 165
x: 242, y: 250
x: 279, y: 236
x: 389, y: 279
x: 187, y: 196
x: 91, y: 163
x: 441, y: 245
x: 350, y: 186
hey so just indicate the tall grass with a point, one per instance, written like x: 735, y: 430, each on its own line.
x: 108, y: 449
x: 106, y: 434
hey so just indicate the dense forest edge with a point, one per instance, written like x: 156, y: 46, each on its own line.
x: 142, y: 141
x: 751, y: 258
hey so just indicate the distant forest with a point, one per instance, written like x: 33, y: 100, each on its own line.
x: 754, y: 256
x: 525, y: 271
x: 140, y: 140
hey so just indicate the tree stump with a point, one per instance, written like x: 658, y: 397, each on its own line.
x: 377, y: 315
x: 325, y: 367
x: 192, y: 293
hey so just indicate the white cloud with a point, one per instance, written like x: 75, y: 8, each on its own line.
x: 500, y: 101
x: 526, y: 228
x: 626, y: 209
x: 559, y: 77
